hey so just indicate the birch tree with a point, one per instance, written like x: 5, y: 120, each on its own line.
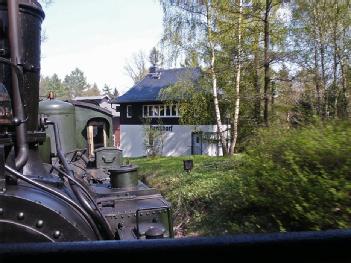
x: 191, y: 25
x: 237, y: 84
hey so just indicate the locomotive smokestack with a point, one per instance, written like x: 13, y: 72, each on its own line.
x: 20, y: 29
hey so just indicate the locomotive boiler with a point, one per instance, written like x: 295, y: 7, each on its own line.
x: 60, y: 177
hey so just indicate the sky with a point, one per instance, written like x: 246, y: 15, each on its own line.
x: 98, y: 36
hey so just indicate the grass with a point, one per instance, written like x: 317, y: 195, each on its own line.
x: 190, y: 193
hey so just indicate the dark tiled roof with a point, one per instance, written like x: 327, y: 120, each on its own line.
x: 149, y: 88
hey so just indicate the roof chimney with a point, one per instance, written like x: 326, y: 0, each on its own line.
x: 152, y: 69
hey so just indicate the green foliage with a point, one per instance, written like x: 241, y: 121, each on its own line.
x: 289, y: 180
x: 76, y: 82
x: 92, y: 91
x: 301, y: 177
x: 156, y: 57
x: 293, y: 56
x: 55, y: 85
x: 194, y: 101
x: 153, y: 138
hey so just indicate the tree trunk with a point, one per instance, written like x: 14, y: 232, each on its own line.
x: 316, y: 79
x: 237, y: 88
x: 214, y: 84
x: 335, y: 68
x: 335, y: 86
x: 343, y: 68
x: 216, y: 104
x: 267, y: 77
x: 322, y: 59
x: 272, y: 99
x: 316, y: 64
x: 257, y: 81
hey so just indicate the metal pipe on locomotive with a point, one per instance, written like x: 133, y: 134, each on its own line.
x: 75, y: 194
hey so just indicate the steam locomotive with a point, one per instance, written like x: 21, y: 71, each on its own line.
x: 60, y: 177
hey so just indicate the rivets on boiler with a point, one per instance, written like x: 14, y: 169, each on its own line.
x: 57, y: 234
x: 20, y: 216
x: 39, y: 224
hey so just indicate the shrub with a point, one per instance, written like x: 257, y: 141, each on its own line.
x: 293, y: 180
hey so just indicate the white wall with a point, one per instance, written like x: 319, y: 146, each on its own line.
x: 176, y: 142
x: 132, y: 140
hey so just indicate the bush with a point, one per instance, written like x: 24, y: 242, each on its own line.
x: 292, y: 180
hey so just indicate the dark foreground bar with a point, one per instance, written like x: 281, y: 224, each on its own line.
x: 326, y: 246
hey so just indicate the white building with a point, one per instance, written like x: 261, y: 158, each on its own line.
x: 141, y: 112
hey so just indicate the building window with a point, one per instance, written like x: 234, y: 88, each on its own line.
x: 156, y: 111
x: 129, y: 111
x: 168, y: 110
x: 160, y: 111
x: 174, y: 110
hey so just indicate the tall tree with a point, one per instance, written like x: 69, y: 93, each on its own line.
x: 156, y: 57
x: 237, y: 83
x: 267, y: 76
x: 136, y: 67
x: 115, y: 93
x: 107, y: 91
x: 190, y: 24
x: 76, y: 83
x: 322, y: 33
x: 92, y: 91
x: 55, y: 85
